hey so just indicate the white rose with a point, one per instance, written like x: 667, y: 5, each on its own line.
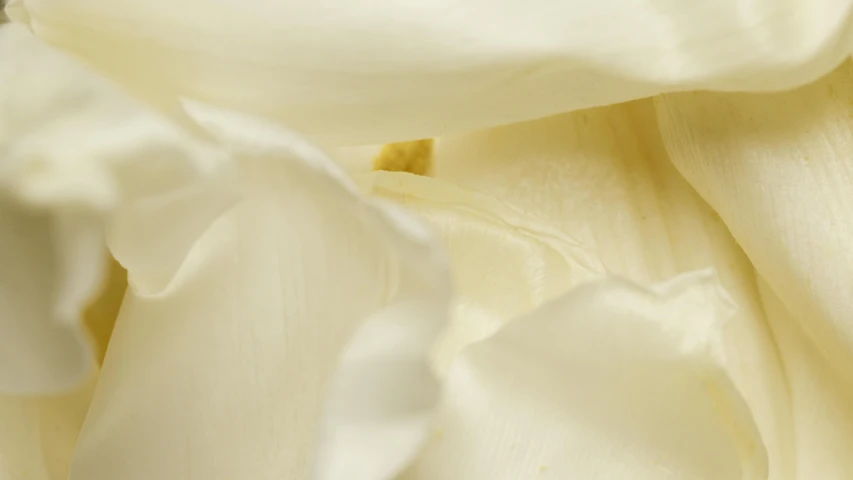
x: 649, y: 290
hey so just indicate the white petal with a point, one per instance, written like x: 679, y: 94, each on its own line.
x: 505, y: 262
x: 73, y: 150
x: 368, y: 71
x: 540, y: 207
x: 37, y: 352
x: 301, y: 291
x: 37, y: 435
x: 609, y: 381
x: 821, y: 396
x: 778, y: 169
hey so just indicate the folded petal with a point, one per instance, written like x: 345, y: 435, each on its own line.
x: 73, y: 151
x: 296, y: 334
x: 608, y: 381
x: 821, y: 396
x: 37, y: 434
x: 377, y: 71
x: 505, y: 263
x: 532, y: 210
x: 778, y: 170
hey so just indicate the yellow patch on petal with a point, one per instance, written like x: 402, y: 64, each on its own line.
x: 100, y: 316
x: 413, y: 157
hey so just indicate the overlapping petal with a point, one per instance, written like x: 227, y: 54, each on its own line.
x: 532, y: 210
x: 609, y: 381
x: 821, y: 395
x: 777, y: 168
x: 376, y: 71
x: 293, y: 342
x: 37, y: 435
x: 73, y: 151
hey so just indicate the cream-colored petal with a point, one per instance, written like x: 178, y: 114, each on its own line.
x: 37, y: 435
x: 608, y: 381
x: 37, y: 352
x: 531, y: 210
x: 73, y: 151
x: 778, y: 169
x: 505, y: 263
x: 365, y: 72
x: 302, y: 295
x: 821, y: 396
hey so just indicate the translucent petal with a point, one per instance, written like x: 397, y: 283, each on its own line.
x: 100, y: 316
x: 73, y: 151
x: 821, y: 395
x: 300, y: 296
x: 37, y: 352
x: 608, y: 381
x: 37, y: 435
x: 778, y: 169
x: 531, y: 210
x: 368, y: 71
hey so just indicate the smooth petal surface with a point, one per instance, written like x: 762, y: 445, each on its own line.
x: 821, y: 395
x: 531, y: 210
x: 297, y: 332
x: 37, y: 435
x: 369, y: 71
x: 609, y: 381
x: 73, y: 151
x: 778, y: 169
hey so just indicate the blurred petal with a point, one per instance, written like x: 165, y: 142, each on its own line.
x: 531, y: 210
x: 301, y: 292
x: 608, y: 381
x: 37, y: 435
x: 100, y: 316
x: 73, y: 150
x: 37, y: 352
x: 778, y: 169
x: 821, y: 396
x: 368, y: 71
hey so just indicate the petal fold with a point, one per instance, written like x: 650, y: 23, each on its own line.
x: 609, y: 381
x: 37, y: 434
x: 778, y: 169
x: 532, y: 210
x: 293, y: 343
x: 380, y: 71
x: 74, y: 151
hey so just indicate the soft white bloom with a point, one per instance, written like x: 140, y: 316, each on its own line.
x: 649, y: 290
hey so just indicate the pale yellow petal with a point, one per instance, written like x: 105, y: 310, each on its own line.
x: 74, y: 151
x: 530, y: 210
x: 361, y: 72
x: 292, y: 344
x: 820, y: 394
x: 38, y: 434
x: 778, y: 169
x: 608, y: 381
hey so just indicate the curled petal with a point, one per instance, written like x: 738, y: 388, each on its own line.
x: 37, y: 434
x: 529, y: 211
x: 778, y: 169
x: 609, y: 381
x: 73, y: 151
x: 369, y: 71
x: 821, y: 395
x: 293, y: 342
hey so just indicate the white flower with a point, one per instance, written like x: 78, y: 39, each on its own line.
x: 647, y: 290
